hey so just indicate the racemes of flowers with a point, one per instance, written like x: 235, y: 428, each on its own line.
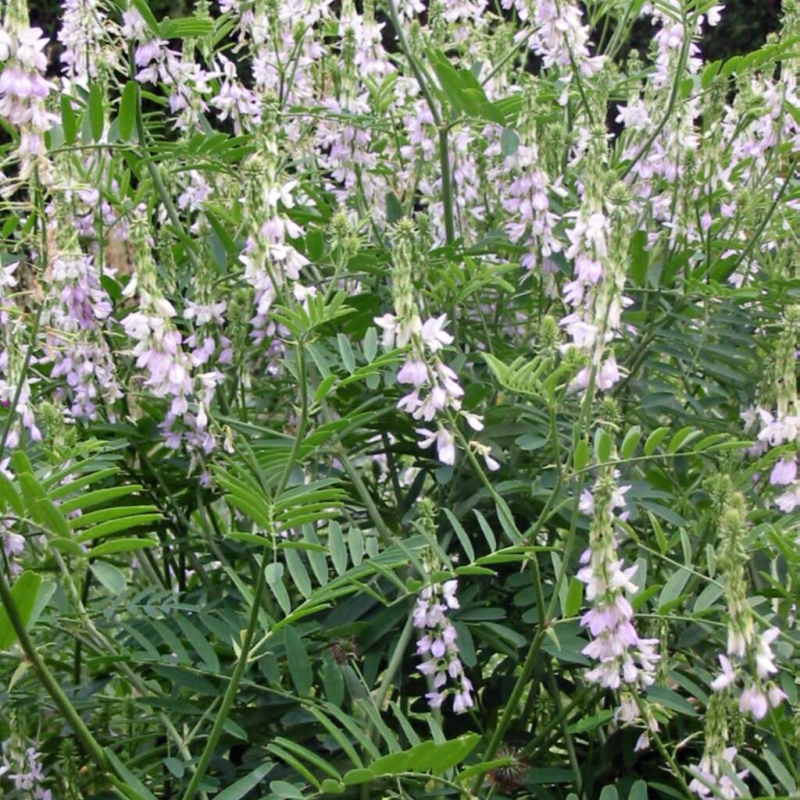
x: 527, y: 197
x: 627, y: 661
x: 272, y: 264
x: 748, y: 646
x: 599, y: 240
x: 780, y: 427
x: 21, y: 766
x: 24, y: 89
x: 77, y: 321
x: 716, y: 775
x: 438, y: 644
x: 435, y: 392
x: 169, y: 370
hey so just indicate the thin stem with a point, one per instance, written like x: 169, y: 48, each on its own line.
x: 233, y: 686
x: 84, y: 735
x: 247, y: 641
x: 444, y: 145
x: 163, y: 195
x: 394, y: 662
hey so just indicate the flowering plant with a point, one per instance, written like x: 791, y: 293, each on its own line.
x: 399, y: 399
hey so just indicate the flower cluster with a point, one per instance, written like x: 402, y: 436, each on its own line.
x: 169, y: 370
x: 435, y: 389
x: 24, y: 89
x: 76, y: 314
x: 25, y: 771
x: 627, y: 661
x: 714, y: 775
x: 746, y: 645
x: 781, y: 429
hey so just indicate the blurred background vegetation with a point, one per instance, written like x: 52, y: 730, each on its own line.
x: 744, y: 26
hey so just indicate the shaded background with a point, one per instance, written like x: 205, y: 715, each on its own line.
x: 744, y: 26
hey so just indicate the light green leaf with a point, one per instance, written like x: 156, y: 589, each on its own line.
x: 244, y: 785
x: 109, y: 576
x: 23, y: 594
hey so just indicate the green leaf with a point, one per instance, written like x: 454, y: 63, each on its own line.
x: 43, y: 597
x: 200, y: 644
x: 654, y: 440
x: 299, y: 663
x: 298, y: 572
x: 509, y: 142
x: 244, y: 785
x: 96, y: 112
x: 672, y: 700
x: 68, y: 122
x: 66, y: 546
x: 23, y: 594
x: 355, y: 540
x: 603, y: 444
x: 574, y: 596
x: 394, y: 208
x: 370, y: 344
x: 109, y: 576
x: 274, y: 576
x: 116, y: 512
x: 357, y: 776
x: 581, y: 456
x: 682, y: 437
x: 126, y: 775
x: 462, y: 535
x: 673, y: 587
x: 630, y: 442
x: 120, y: 546
x: 780, y: 771
x: 97, y: 497
x: 638, y: 791
x: 609, y: 793
x: 10, y: 496
x: 128, y: 107
x: 346, y: 352
x: 41, y: 507
x: 186, y: 27
x: 116, y: 525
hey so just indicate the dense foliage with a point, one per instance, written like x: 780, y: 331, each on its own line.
x: 399, y: 400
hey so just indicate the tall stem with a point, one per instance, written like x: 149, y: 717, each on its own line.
x: 84, y: 735
x: 247, y: 641
x: 444, y: 143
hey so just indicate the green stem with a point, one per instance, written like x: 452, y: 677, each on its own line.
x: 247, y: 642
x: 513, y: 702
x: 570, y: 745
x: 394, y: 662
x: 233, y: 686
x: 163, y: 195
x: 84, y: 735
x: 444, y: 145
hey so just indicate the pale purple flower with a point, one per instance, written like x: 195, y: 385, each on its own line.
x: 784, y: 472
x: 727, y: 677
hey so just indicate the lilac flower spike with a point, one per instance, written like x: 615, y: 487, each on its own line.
x: 438, y: 646
x: 626, y: 661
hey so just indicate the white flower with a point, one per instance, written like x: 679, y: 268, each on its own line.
x: 727, y: 677
x: 434, y: 335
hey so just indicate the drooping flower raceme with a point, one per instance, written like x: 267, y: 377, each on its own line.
x: 24, y: 91
x: 435, y: 388
x: 715, y: 772
x: 626, y: 661
x: 438, y: 644
x: 747, y: 645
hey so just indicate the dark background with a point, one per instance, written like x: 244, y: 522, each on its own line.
x: 744, y: 26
